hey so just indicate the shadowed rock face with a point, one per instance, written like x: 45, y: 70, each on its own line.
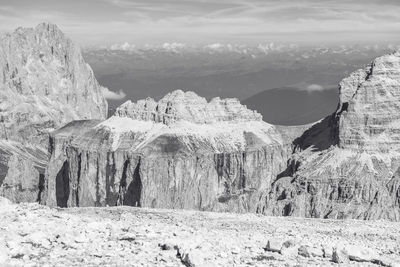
x: 44, y: 84
x: 346, y: 166
x: 168, y: 156
x: 22, y: 170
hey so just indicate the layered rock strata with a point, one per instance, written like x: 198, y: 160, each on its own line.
x: 44, y: 84
x: 347, y: 165
x: 180, y: 152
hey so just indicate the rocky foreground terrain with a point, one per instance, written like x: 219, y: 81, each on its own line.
x: 35, y: 235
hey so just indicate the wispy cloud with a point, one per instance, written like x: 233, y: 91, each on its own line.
x: 194, y: 21
x: 108, y: 94
x: 314, y: 87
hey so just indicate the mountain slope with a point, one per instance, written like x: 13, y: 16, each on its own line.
x: 347, y: 165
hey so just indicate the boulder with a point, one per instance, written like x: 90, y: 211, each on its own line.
x: 361, y: 254
x: 340, y: 255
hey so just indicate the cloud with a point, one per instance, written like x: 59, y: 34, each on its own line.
x: 108, y: 94
x: 208, y: 21
x: 314, y: 87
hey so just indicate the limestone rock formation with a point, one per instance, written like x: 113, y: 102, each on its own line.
x: 180, y: 106
x: 44, y: 84
x: 180, y: 152
x: 347, y: 165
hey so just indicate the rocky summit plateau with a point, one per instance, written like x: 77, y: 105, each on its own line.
x: 179, y: 152
x: 59, y: 148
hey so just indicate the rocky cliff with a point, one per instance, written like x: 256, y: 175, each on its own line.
x: 347, y: 165
x: 44, y: 84
x: 185, y: 152
x: 179, y: 152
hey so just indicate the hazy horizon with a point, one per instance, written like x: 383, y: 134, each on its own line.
x: 198, y: 22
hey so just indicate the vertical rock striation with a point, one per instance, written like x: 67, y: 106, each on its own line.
x: 180, y: 152
x: 44, y: 84
x: 346, y: 166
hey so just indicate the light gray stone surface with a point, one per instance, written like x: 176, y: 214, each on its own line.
x: 44, y: 83
x: 34, y: 235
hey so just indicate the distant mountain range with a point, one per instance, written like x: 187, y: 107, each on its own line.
x: 251, y: 50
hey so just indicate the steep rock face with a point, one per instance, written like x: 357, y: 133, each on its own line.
x: 346, y: 166
x: 180, y: 152
x: 44, y: 83
x: 371, y: 99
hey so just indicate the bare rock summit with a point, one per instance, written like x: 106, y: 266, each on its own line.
x: 187, y: 106
x: 44, y: 84
x: 347, y: 165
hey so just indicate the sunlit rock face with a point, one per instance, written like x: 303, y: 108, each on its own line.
x: 44, y: 84
x: 370, y: 101
x: 187, y: 106
x: 346, y: 166
x: 180, y: 152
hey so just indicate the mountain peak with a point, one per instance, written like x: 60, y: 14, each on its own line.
x: 187, y: 106
x: 369, y: 110
x: 47, y: 26
x: 45, y: 82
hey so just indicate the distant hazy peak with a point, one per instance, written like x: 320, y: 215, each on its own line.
x: 187, y: 106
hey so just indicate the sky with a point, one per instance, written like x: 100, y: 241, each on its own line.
x: 104, y: 22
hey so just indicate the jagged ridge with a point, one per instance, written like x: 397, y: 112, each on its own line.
x: 187, y: 106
